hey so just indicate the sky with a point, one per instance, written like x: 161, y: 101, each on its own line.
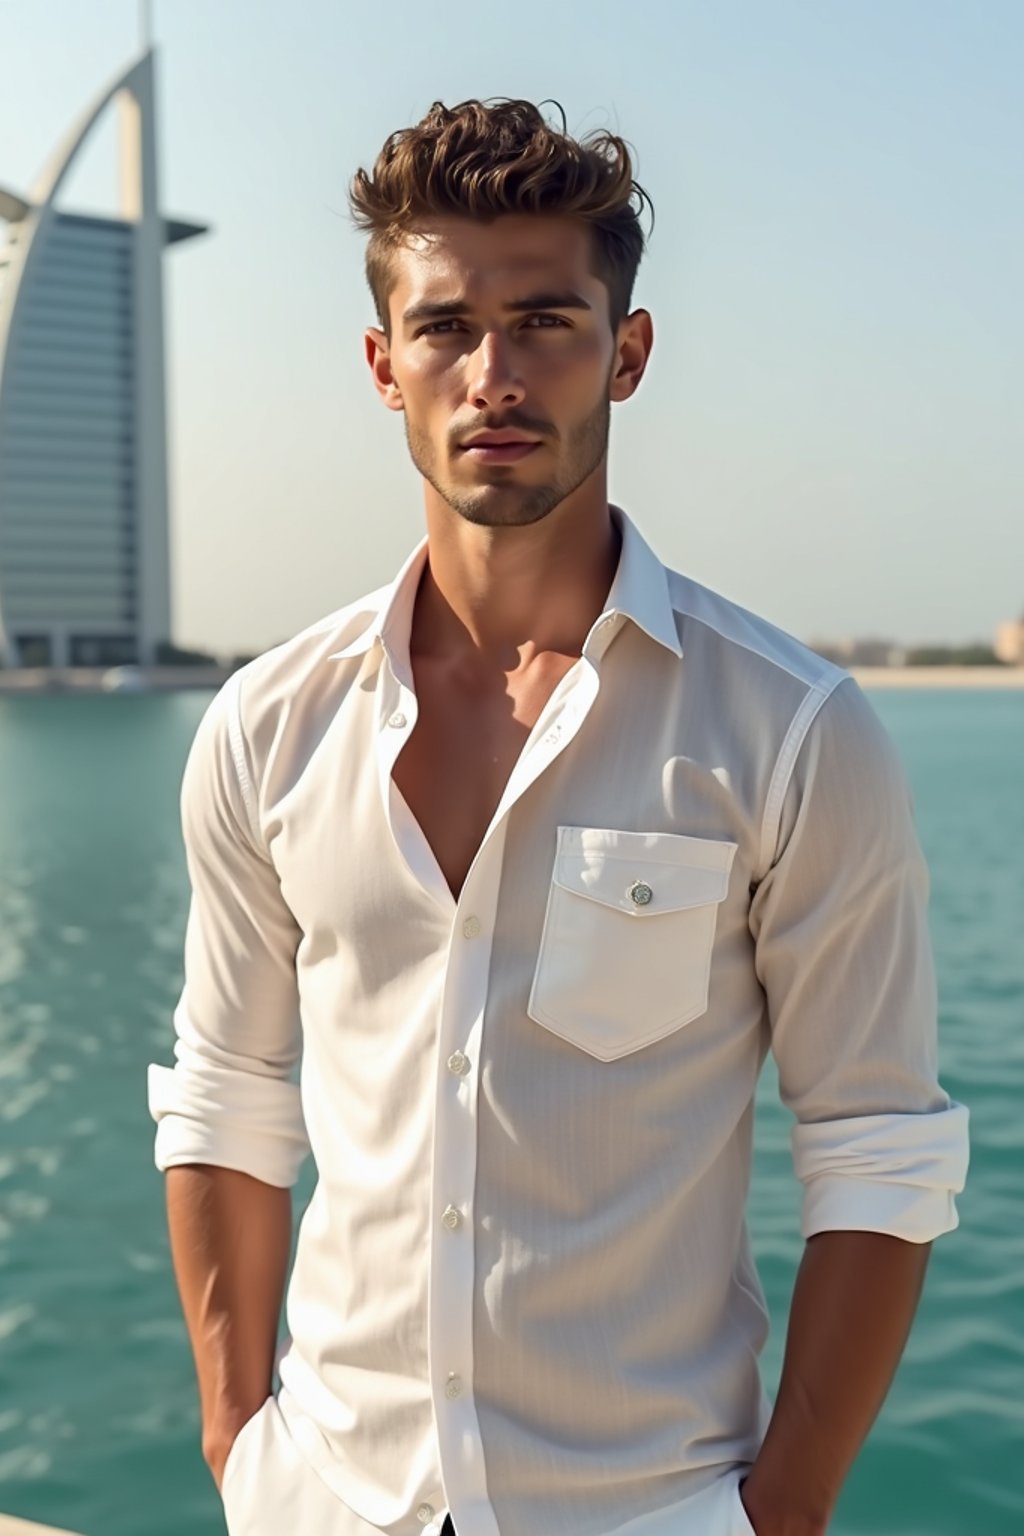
x: 829, y: 431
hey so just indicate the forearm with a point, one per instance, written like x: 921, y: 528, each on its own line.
x: 230, y: 1240
x: 853, y: 1303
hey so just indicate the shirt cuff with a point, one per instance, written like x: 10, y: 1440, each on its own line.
x: 228, y: 1119
x: 883, y: 1173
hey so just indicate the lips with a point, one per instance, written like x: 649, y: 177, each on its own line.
x: 499, y: 439
x: 501, y: 447
x: 500, y: 453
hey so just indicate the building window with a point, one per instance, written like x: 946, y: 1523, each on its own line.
x: 103, y: 651
x: 34, y: 650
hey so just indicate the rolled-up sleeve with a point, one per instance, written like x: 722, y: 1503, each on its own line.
x: 843, y: 952
x: 229, y: 1099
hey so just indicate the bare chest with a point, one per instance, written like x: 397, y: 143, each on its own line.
x: 454, y: 768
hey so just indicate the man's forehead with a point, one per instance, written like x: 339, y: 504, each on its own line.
x: 506, y: 252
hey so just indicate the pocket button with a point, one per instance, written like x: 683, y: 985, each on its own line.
x: 640, y: 893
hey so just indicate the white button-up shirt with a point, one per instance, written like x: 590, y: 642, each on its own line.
x: 523, y: 1289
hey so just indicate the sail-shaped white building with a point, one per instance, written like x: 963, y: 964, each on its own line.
x: 84, y: 549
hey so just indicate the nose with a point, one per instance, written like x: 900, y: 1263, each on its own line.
x: 492, y: 382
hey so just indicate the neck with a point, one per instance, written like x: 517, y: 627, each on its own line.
x: 495, y: 591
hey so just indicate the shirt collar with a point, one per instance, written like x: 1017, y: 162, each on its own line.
x: 639, y: 592
x: 391, y: 621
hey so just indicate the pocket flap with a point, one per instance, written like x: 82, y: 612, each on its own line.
x: 643, y: 873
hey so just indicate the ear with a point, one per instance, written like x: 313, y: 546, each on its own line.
x: 635, y: 340
x: 378, y: 355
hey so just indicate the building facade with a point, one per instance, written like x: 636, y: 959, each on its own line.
x: 84, y: 543
x: 1009, y: 642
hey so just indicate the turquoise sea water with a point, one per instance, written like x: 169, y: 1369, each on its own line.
x: 99, y: 1427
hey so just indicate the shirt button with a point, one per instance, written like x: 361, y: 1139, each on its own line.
x: 471, y: 927
x: 425, y: 1514
x: 458, y: 1064
x: 451, y: 1217
x: 452, y: 1387
x: 397, y: 720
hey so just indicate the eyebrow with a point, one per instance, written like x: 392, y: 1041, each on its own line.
x: 432, y: 309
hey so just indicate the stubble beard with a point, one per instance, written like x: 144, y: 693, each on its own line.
x: 503, y: 503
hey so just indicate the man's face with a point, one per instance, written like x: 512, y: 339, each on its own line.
x: 500, y: 330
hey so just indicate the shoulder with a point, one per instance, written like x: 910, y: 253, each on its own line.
x: 300, y: 679
x: 299, y: 663
x: 745, y: 642
x: 766, y: 682
x: 804, y: 720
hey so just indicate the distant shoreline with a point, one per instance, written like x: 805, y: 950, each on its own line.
x: 92, y: 679
x: 938, y: 677
x: 170, y: 679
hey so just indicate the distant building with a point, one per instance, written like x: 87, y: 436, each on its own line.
x: 861, y: 653
x: 84, y: 557
x: 1009, y: 642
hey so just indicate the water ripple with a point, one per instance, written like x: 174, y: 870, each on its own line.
x: 14, y: 1318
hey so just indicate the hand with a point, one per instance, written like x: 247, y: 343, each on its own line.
x: 219, y: 1438
x: 769, y: 1521
x: 744, y: 1503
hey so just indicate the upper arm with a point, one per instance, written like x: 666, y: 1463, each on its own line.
x: 241, y: 991
x: 843, y: 952
x: 229, y: 1099
x: 840, y: 920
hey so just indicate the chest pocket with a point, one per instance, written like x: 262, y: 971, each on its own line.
x: 625, y: 954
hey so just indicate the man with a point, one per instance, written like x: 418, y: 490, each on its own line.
x: 532, y: 856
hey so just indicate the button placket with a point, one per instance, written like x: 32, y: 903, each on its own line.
x: 396, y: 718
x: 452, y: 1249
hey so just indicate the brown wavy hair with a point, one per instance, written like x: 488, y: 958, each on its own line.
x: 482, y: 159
